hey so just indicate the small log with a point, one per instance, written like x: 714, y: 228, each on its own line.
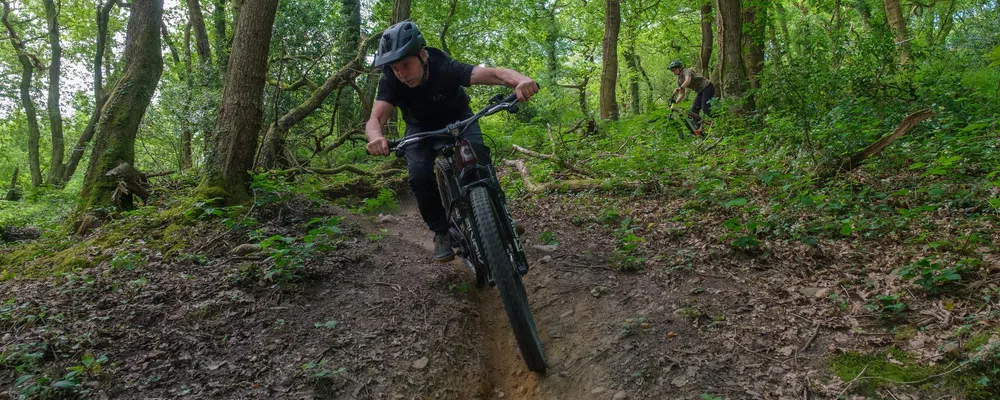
x: 158, y: 174
x: 334, y: 171
x: 851, y: 163
x: 574, y: 185
x: 555, y: 159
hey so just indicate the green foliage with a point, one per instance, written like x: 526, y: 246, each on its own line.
x: 887, y: 306
x: 384, y: 203
x: 549, y: 238
x: 127, y: 261
x: 291, y: 255
x: 626, y: 256
x: 936, y: 276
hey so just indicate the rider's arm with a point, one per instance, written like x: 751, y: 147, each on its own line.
x: 381, y: 112
x: 680, y: 89
x: 523, y: 86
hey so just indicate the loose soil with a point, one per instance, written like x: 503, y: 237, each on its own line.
x: 376, y: 319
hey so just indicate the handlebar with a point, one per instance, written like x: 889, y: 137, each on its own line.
x: 456, y: 129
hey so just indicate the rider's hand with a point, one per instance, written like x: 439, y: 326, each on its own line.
x: 378, y: 146
x: 526, y: 89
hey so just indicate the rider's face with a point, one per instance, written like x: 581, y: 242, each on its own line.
x: 409, y: 71
x: 676, y: 71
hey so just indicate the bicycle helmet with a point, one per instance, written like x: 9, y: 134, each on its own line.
x: 675, y: 64
x: 398, y: 42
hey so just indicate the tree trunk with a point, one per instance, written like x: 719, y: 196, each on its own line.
x: 706, y: 38
x: 947, y: 21
x: 55, y: 118
x: 27, y: 71
x: 235, y: 140
x: 835, y: 37
x: 633, y: 79
x: 894, y: 14
x: 447, y: 24
x: 276, y: 131
x: 733, y: 80
x: 864, y: 11
x: 165, y: 35
x: 400, y: 11
x: 200, y: 33
x: 609, y: 53
x: 350, y: 34
x: 219, y: 22
x: 753, y: 43
x: 551, y: 46
x: 126, y: 106
x: 12, y: 194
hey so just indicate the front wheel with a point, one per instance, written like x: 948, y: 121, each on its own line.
x: 508, y: 281
x: 448, y: 190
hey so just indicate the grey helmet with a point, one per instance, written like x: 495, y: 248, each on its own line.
x: 675, y: 64
x: 398, y: 42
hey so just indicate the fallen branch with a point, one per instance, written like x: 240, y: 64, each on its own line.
x: 851, y: 163
x: 338, y: 170
x: 569, y: 185
x: 811, y: 339
x: 159, y: 174
x: 555, y: 159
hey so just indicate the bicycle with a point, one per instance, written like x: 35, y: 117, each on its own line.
x: 692, y: 121
x: 481, y: 226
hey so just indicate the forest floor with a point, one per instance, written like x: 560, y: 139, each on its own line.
x: 146, y: 308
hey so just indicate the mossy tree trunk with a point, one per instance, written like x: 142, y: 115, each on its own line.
x: 235, y: 139
x: 706, y: 38
x: 609, y: 54
x: 400, y: 11
x: 126, y: 105
x: 28, y: 64
x: 55, y: 118
x: 219, y: 23
x: 200, y: 32
x: 733, y: 79
x: 897, y: 22
x: 350, y: 34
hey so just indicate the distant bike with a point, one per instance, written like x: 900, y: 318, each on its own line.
x: 692, y: 121
x: 480, y: 222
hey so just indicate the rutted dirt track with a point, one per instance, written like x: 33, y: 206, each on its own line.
x: 376, y: 319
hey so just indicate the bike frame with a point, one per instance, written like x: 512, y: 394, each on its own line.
x: 465, y: 173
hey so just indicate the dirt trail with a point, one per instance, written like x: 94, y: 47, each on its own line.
x: 572, y: 347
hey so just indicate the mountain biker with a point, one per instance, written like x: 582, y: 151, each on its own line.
x: 688, y: 79
x: 427, y: 85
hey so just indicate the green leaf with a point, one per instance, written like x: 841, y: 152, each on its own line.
x: 846, y: 229
x: 739, y: 202
x: 328, y: 325
x: 65, y: 385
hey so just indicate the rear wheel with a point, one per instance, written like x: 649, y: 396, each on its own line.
x: 508, y: 281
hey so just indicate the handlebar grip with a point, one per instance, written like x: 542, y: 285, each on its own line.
x: 394, y: 143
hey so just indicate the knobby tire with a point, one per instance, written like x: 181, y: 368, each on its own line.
x: 508, y: 281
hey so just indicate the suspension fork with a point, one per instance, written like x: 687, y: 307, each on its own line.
x: 499, y: 199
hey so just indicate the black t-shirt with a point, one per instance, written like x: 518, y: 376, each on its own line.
x: 436, y: 103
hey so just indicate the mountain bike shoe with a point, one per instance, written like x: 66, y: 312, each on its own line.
x: 442, y: 247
